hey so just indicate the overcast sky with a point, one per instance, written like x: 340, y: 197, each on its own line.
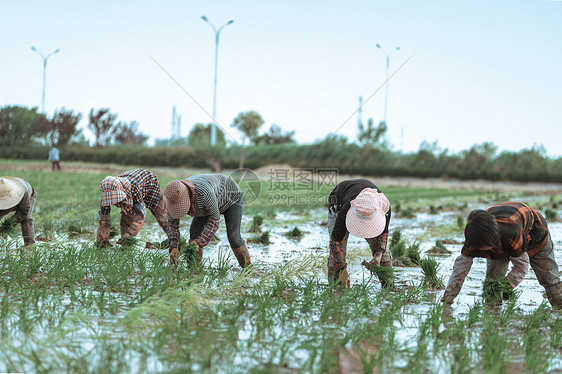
x: 467, y: 71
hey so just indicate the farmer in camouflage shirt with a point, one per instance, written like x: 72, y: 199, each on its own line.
x: 16, y: 195
x: 132, y: 191
x: 508, y: 232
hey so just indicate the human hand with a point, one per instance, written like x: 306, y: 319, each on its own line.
x: 174, y: 255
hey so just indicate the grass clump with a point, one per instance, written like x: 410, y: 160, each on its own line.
x: 429, y: 269
x: 8, y: 227
x: 439, y: 248
x: 498, y: 289
x: 295, y: 233
x: 256, y: 224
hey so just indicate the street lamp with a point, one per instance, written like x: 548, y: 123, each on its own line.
x: 386, y: 83
x: 217, y: 34
x: 44, y: 71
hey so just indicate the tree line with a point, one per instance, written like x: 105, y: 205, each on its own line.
x: 371, y: 154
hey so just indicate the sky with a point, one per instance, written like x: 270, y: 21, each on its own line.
x: 467, y: 72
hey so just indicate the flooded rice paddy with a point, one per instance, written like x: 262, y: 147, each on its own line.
x: 70, y: 307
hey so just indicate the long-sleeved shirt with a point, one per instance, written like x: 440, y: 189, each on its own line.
x: 210, y: 195
x: 522, y: 229
x: 524, y: 233
x: 54, y: 155
x: 24, y: 207
x: 145, y: 192
x: 340, y: 201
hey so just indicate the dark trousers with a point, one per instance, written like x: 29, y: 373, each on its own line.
x: 55, y: 165
x: 233, y: 220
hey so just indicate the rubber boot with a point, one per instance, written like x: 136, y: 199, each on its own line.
x: 554, y: 295
x: 242, y: 255
x: 28, y: 232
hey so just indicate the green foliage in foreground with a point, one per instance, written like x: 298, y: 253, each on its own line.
x: 75, y: 308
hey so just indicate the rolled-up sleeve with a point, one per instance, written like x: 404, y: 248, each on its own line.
x: 519, y: 270
x: 460, y: 271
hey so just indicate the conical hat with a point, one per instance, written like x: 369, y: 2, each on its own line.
x: 11, y: 192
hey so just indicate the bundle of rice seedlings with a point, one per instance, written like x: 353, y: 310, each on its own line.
x: 429, y: 269
x: 256, y: 224
x: 384, y: 273
x: 414, y: 253
x: 460, y: 222
x: 129, y: 242
x: 8, y: 227
x: 261, y: 239
x: 439, y: 248
x: 495, y: 290
x: 294, y: 234
x: 395, y: 238
x: 398, y: 250
x: 190, y: 253
x: 165, y: 245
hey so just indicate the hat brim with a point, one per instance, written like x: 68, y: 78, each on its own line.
x: 367, y: 227
x: 11, y: 193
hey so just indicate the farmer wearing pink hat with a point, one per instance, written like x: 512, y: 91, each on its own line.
x: 205, y: 197
x: 358, y: 207
x: 132, y: 191
x: 16, y: 195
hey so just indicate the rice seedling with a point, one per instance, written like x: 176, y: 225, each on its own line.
x: 256, y: 224
x: 385, y: 274
x: 129, y: 243
x: 191, y: 253
x: 433, y: 209
x: 429, y: 269
x: 551, y: 215
x: 8, y: 227
x: 295, y: 233
x: 439, y: 248
x: 395, y: 238
x: 407, y: 212
x: 414, y: 253
x: 460, y: 222
x: 398, y: 250
x: 264, y: 238
x: 497, y: 289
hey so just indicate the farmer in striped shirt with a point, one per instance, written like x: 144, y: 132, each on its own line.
x: 358, y: 207
x: 132, y: 191
x: 508, y: 232
x: 205, y: 197
x: 16, y: 195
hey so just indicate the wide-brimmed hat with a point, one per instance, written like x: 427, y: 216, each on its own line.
x: 179, y: 202
x: 11, y: 192
x: 114, y: 190
x: 366, y: 216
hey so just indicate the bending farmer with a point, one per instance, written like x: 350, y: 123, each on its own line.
x: 508, y: 232
x: 132, y: 191
x: 205, y: 197
x: 358, y: 207
x: 16, y: 195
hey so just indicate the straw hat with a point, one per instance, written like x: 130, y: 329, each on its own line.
x: 179, y: 202
x: 366, y: 216
x: 11, y: 192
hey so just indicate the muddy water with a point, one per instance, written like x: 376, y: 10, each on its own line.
x: 315, y: 241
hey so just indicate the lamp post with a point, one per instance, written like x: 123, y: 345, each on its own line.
x: 217, y: 34
x: 44, y: 71
x: 386, y: 83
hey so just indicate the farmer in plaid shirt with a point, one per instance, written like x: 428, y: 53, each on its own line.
x: 132, y: 191
x: 508, y: 232
x: 205, y: 197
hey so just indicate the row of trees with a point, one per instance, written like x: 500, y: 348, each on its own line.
x: 24, y: 126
